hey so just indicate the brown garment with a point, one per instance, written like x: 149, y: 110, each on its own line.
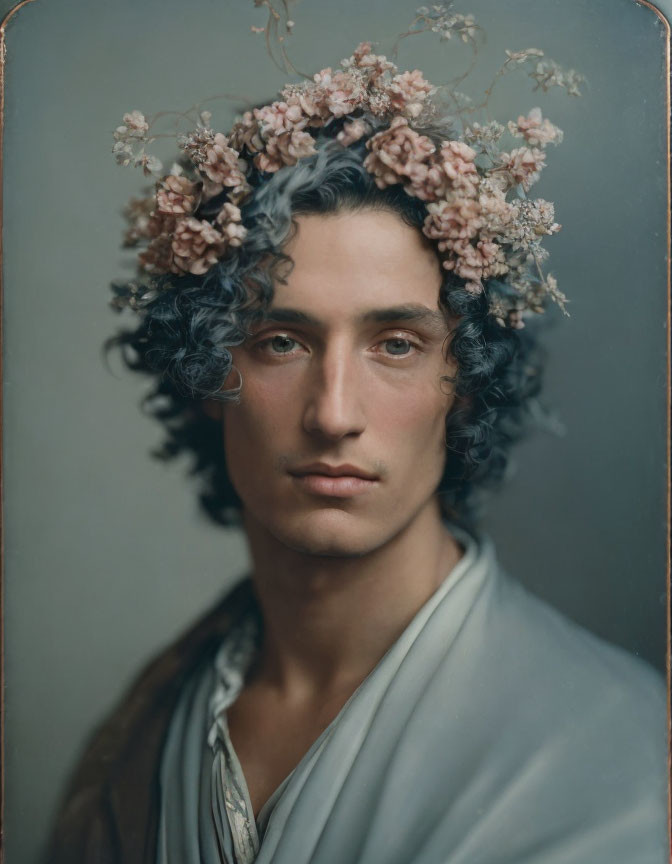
x: 110, y: 812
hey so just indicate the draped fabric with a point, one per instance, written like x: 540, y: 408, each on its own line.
x: 493, y: 731
x: 206, y: 813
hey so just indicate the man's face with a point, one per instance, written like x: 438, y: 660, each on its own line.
x: 338, y: 374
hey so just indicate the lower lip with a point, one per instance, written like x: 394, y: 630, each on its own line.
x: 338, y: 487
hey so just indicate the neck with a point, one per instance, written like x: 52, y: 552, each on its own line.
x: 329, y: 619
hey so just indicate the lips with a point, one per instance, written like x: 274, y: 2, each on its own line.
x: 338, y: 481
x: 346, y: 470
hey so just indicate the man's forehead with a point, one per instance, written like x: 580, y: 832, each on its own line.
x: 417, y: 313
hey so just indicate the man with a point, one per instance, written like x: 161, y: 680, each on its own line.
x: 464, y: 719
x: 378, y: 689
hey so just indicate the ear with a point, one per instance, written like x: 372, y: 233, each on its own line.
x: 212, y: 407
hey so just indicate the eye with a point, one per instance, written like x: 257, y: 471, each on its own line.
x: 278, y: 344
x: 399, y: 346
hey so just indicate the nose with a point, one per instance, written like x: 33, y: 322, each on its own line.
x: 333, y: 403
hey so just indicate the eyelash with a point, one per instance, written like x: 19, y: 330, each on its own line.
x: 267, y: 341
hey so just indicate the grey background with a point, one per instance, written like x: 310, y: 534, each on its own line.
x: 107, y: 557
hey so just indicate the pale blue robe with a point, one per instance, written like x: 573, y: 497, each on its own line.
x: 493, y: 731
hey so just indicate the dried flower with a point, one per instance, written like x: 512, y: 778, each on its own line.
x: 158, y: 256
x: 285, y: 149
x: 522, y: 56
x: 228, y: 219
x: 548, y: 73
x: 535, y: 129
x: 311, y: 99
x: 442, y: 20
x: 352, y: 131
x: 175, y: 195
x: 223, y: 166
x: 187, y: 227
x: 196, y: 246
x: 408, y: 93
x: 457, y: 161
x: 394, y: 151
x: 374, y: 65
x: 279, y: 117
x: 343, y: 93
x: 530, y: 221
x: 195, y: 142
x: 149, y: 164
x: 426, y: 180
x: 137, y: 213
x: 522, y: 165
x: 246, y: 134
x: 135, y: 126
x: 123, y: 153
x: 455, y: 218
x: 487, y: 135
x: 496, y: 213
x: 485, y: 260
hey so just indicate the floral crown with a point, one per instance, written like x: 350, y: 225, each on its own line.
x: 484, y: 225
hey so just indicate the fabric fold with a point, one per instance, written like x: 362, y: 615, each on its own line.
x: 493, y: 731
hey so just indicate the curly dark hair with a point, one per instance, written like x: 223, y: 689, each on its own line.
x: 185, y: 332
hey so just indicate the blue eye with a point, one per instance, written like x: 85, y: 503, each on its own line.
x: 281, y: 344
x: 399, y: 343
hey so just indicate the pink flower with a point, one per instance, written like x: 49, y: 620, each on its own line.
x: 457, y: 161
x: 530, y: 221
x: 223, y: 165
x: 352, y: 131
x: 246, y: 133
x: 536, y: 130
x: 279, y: 117
x: 311, y: 99
x: 496, y: 212
x: 343, y: 92
x: 158, y: 256
x: 135, y: 126
x: 136, y: 123
x: 228, y: 220
x: 452, y: 219
x: 522, y: 165
x: 375, y: 65
x: 137, y: 213
x: 160, y: 224
x: 362, y: 54
x: 176, y: 195
x: 394, y: 152
x: 285, y: 149
x: 408, y: 93
x: 426, y: 180
x: 475, y: 263
x: 379, y: 103
x: 149, y: 164
x: 196, y: 246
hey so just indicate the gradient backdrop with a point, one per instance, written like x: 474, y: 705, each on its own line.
x: 107, y: 556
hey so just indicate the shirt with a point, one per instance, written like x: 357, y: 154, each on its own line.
x: 231, y: 665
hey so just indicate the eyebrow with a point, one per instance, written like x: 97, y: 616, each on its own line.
x: 432, y: 318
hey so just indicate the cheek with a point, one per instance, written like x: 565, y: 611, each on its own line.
x: 261, y: 416
x: 413, y: 419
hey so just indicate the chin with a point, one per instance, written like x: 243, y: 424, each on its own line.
x: 330, y: 533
